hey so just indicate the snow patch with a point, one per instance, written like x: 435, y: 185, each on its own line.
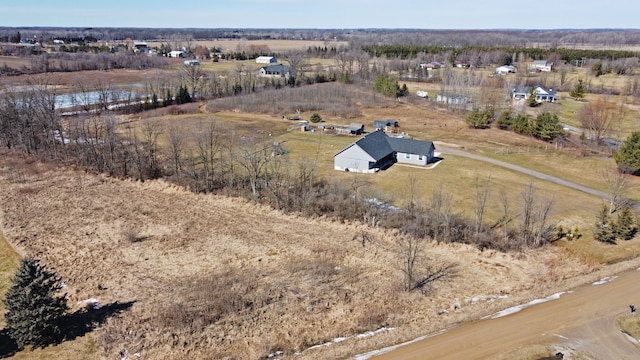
x: 604, y: 280
x: 370, y: 354
x: 341, y: 339
x: 515, y: 309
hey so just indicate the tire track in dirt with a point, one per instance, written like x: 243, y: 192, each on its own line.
x: 580, y: 321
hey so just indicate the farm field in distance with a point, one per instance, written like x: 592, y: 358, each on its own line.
x: 221, y: 274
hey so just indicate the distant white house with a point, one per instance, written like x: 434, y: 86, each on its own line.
x: 58, y: 42
x: 266, y: 60
x: 431, y: 66
x: 541, y: 65
x: 274, y: 71
x: 178, y: 54
x: 542, y: 94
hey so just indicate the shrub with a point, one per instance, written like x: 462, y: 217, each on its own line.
x: 315, y: 118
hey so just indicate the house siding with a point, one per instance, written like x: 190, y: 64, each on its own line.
x: 354, y: 159
x: 413, y: 159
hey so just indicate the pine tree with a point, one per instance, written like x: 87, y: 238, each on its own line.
x: 627, y: 157
x: 604, y: 229
x: 578, y: 91
x: 34, y: 312
x: 625, y: 227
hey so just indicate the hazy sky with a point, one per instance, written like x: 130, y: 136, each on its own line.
x: 324, y: 14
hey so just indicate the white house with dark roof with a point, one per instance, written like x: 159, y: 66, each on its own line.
x: 542, y: 94
x: 377, y: 151
x: 274, y: 71
x: 266, y: 60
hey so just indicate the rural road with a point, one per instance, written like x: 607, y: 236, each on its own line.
x: 451, y: 151
x: 580, y: 321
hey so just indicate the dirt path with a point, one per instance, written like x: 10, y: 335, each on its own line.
x: 536, y: 174
x: 580, y: 321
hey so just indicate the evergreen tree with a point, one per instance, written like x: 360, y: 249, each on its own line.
x: 625, y: 227
x: 522, y: 125
x: 548, y: 127
x: 532, y: 99
x: 578, y: 91
x: 604, y: 229
x: 505, y: 120
x: 183, y: 96
x: 627, y: 157
x: 315, y: 118
x: 168, y: 99
x: 479, y: 119
x: 389, y: 86
x: 34, y: 312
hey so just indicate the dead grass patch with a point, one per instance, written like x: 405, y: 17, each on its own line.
x: 205, y: 276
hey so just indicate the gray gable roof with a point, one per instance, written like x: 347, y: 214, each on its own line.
x: 409, y: 146
x: 376, y: 145
x: 379, y: 145
x: 522, y: 90
x: 276, y: 68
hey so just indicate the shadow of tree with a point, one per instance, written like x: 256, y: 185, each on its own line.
x: 75, y: 325
x: 82, y: 322
x: 8, y: 347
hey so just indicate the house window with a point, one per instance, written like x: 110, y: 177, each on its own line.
x: 419, y: 157
x: 407, y: 156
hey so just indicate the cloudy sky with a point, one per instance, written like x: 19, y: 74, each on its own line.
x: 325, y: 14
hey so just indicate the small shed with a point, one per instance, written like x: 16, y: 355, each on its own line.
x: 386, y: 125
x: 356, y: 129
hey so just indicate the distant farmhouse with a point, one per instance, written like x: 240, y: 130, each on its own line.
x: 540, y: 65
x: 266, y: 60
x: 377, y: 151
x: 274, y: 71
x: 542, y: 94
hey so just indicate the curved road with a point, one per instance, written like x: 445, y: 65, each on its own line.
x: 580, y: 321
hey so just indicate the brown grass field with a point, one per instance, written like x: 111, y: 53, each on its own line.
x: 216, y: 277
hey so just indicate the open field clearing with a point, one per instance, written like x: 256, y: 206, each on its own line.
x: 209, y: 276
x: 123, y: 241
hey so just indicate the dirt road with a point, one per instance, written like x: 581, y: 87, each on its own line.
x: 582, y: 321
x: 536, y: 174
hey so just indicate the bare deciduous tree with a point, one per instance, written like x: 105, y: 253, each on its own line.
x: 534, y: 229
x: 420, y: 271
x: 618, y: 186
x: 483, y: 190
x: 596, y: 118
x: 298, y: 65
x: 253, y: 156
